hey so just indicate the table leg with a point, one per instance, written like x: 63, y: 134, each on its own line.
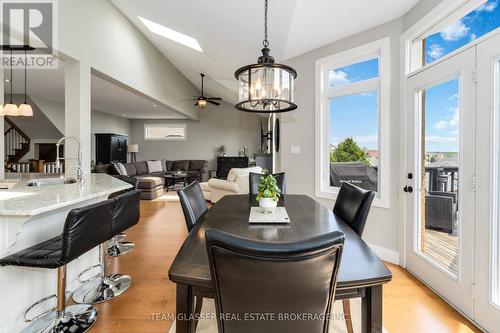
x: 371, y: 310
x: 184, y: 309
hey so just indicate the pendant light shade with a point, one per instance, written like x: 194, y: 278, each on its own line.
x: 266, y: 87
x: 11, y: 109
x: 25, y: 110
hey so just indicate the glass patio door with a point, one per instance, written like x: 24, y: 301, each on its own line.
x: 439, y: 189
x: 487, y: 258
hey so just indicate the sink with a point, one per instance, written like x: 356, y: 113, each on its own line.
x: 50, y: 181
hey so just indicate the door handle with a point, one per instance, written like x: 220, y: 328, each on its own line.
x: 408, y: 189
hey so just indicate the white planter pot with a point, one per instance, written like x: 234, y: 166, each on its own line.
x: 268, y: 205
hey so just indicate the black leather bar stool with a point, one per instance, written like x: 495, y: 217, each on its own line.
x: 117, y: 246
x: 108, y: 286
x: 84, y: 229
x: 352, y: 206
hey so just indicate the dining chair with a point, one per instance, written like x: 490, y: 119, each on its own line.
x: 193, y: 203
x: 253, y: 179
x: 273, y: 279
x: 352, y: 206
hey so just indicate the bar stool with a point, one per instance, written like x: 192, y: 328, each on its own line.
x: 84, y: 229
x: 117, y: 246
x: 108, y: 286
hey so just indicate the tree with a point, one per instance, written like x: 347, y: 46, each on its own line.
x: 348, y: 151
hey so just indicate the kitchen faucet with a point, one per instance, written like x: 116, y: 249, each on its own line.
x: 79, y: 172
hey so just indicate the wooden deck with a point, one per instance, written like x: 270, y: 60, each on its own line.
x: 443, y: 248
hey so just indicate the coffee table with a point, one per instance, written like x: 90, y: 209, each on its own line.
x: 171, y: 179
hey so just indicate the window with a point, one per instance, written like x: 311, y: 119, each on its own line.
x: 352, y: 121
x: 165, y: 132
x: 462, y: 27
x: 495, y: 263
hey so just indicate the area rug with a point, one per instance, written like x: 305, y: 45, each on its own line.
x: 337, y: 324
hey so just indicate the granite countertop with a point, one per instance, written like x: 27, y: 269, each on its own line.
x: 22, y: 200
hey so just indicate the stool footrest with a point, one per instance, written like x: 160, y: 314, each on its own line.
x: 28, y: 319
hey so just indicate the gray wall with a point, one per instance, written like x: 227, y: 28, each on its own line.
x: 418, y: 11
x: 298, y: 128
x: 222, y: 125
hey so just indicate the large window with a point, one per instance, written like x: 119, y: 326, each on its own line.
x: 465, y: 25
x: 352, y: 121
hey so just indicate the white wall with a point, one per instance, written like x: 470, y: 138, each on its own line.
x: 98, y: 34
x: 222, y: 125
x: 298, y: 128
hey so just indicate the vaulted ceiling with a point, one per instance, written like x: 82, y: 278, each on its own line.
x: 230, y: 32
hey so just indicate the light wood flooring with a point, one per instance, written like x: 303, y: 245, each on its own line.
x: 409, y: 307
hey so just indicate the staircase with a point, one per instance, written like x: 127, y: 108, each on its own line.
x: 17, y: 143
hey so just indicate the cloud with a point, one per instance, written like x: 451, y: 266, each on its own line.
x: 453, y: 97
x: 338, y: 78
x: 435, y: 51
x: 451, y: 122
x: 455, y: 31
x: 487, y: 7
x: 440, y: 139
x: 472, y: 37
x: 365, y: 139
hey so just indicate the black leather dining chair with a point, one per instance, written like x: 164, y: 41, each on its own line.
x: 193, y: 203
x: 273, y: 278
x: 352, y: 206
x: 253, y: 182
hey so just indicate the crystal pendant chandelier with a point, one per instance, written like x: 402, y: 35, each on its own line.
x: 266, y: 87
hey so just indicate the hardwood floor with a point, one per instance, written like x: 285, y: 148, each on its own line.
x: 149, y: 305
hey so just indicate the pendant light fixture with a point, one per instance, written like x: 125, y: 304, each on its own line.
x: 11, y: 109
x: 25, y: 109
x: 266, y: 87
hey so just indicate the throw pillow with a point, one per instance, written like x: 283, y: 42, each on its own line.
x: 121, y: 169
x: 154, y: 166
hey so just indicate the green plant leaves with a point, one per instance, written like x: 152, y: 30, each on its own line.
x: 268, y: 188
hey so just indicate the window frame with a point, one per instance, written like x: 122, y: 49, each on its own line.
x: 166, y: 125
x: 323, y: 66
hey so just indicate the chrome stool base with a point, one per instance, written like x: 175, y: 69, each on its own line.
x: 74, y: 319
x: 120, y: 237
x: 120, y: 248
x: 102, y: 290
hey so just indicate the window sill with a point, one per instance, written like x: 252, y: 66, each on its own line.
x: 379, y: 202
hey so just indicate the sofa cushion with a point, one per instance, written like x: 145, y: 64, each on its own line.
x: 130, y: 168
x: 141, y: 167
x: 149, y: 182
x: 196, y: 165
x: 234, y: 172
x: 154, y: 166
x: 180, y: 165
x: 121, y: 169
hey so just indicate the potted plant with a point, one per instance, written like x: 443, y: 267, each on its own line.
x: 221, y: 150
x: 268, y: 193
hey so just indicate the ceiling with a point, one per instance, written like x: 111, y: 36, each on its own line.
x: 230, y: 32
x: 108, y: 96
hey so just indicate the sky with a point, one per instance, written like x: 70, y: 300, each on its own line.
x: 356, y: 115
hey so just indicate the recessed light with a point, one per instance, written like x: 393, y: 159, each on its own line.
x: 154, y: 105
x: 7, y: 80
x: 171, y: 34
x: 123, y: 114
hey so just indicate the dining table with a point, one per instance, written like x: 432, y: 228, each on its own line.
x: 362, y: 273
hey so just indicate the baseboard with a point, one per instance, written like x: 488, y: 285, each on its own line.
x: 386, y: 254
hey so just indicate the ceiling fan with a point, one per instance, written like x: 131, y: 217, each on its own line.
x: 202, y: 100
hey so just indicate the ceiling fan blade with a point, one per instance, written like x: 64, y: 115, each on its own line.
x: 215, y: 98
x: 190, y: 99
x: 196, y: 104
x: 216, y: 103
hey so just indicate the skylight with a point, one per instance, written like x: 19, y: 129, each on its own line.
x: 171, y: 34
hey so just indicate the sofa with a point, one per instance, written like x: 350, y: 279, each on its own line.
x: 152, y: 184
x: 236, y: 183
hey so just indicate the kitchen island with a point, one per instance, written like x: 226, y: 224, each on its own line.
x: 30, y: 215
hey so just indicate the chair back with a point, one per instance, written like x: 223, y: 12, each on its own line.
x: 193, y: 203
x: 275, y: 278
x: 353, y: 205
x: 85, y: 228
x: 126, y: 211
x: 253, y: 182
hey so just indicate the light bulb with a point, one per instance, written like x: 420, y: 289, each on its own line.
x: 25, y: 110
x: 202, y: 103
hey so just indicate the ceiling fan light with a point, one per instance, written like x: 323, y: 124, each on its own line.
x: 11, y: 109
x: 202, y: 103
x: 25, y: 110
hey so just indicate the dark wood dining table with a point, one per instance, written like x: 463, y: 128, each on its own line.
x: 362, y: 273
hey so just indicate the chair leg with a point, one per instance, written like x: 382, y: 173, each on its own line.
x: 75, y: 318
x: 197, y: 310
x: 347, y: 315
